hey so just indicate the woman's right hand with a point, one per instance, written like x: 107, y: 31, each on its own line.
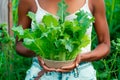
x: 41, y: 62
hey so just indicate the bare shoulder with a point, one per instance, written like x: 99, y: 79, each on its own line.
x: 23, y: 8
x: 97, y: 4
x: 26, y: 4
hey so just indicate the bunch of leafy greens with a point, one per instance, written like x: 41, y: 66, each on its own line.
x: 56, y: 39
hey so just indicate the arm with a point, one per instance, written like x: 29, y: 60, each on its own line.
x: 102, y: 31
x: 23, y: 8
x: 101, y: 28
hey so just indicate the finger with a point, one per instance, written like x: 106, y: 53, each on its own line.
x: 39, y: 58
x: 62, y: 70
x: 77, y: 60
x: 48, y: 69
x: 69, y: 67
x: 41, y: 62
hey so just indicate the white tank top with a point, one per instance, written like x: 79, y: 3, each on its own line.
x: 41, y: 12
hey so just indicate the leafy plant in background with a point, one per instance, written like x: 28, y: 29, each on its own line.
x: 109, y: 67
x: 15, y: 11
x: 11, y: 64
x: 115, y: 64
x: 113, y: 11
x: 7, y: 47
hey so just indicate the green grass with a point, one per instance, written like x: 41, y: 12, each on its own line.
x: 12, y: 66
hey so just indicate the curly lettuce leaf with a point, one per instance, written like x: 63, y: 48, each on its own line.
x: 62, y: 13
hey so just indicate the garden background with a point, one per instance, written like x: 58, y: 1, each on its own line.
x: 14, y: 67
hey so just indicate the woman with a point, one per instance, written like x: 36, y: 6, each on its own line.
x: 82, y: 68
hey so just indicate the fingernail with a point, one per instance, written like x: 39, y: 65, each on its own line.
x: 42, y: 62
x: 57, y: 70
x: 76, y: 65
x: 62, y: 67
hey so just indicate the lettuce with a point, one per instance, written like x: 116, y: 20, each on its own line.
x: 56, y: 39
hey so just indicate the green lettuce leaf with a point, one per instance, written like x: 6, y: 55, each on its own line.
x: 57, y: 39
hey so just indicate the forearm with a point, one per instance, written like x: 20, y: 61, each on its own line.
x: 21, y: 50
x: 102, y: 31
x: 99, y: 52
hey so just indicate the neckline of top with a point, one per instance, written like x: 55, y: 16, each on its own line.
x: 40, y: 8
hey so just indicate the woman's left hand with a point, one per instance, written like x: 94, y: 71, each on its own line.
x: 71, y: 67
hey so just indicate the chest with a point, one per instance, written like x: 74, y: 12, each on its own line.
x: 51, y: 6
